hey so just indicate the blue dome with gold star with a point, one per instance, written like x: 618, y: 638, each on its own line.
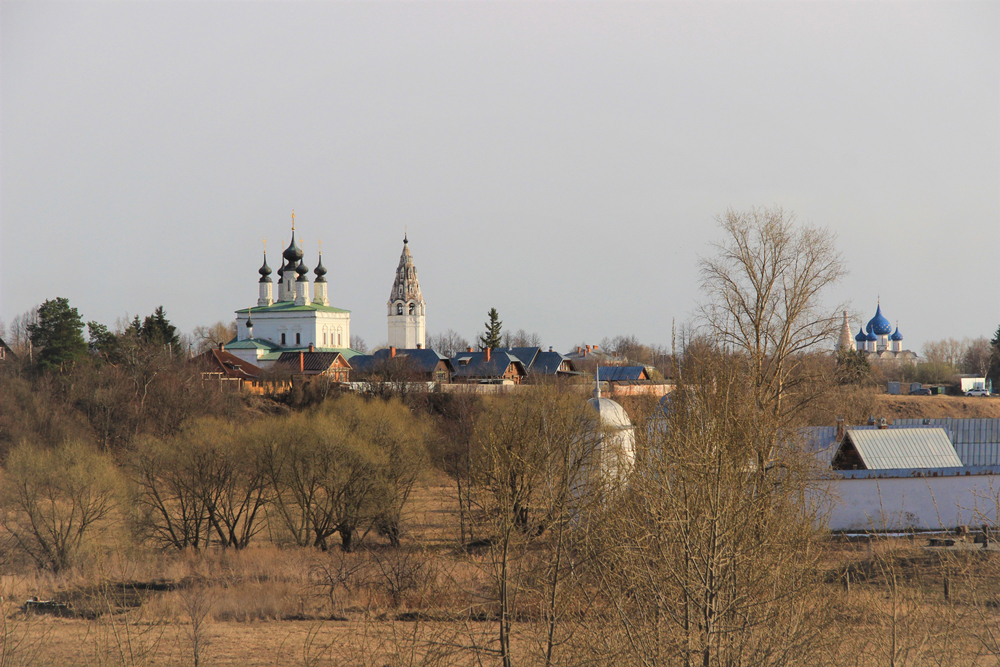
x: 862, y: 336
x: 878, y: 325
x: 896, y: 335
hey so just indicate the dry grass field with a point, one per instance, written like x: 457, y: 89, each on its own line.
x: 890, y: 601
x: 936, y: 407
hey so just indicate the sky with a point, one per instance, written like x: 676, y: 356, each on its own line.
x: 564, y: 163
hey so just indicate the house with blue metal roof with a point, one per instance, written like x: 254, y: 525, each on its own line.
x: 418, y: 364
x: 488, y: 367
x: 539, y: 362
x: 622, y: 374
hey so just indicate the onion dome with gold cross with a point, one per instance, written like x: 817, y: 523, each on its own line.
x: 320, y: 270
x: 878, y: 325
x: 265, y: 271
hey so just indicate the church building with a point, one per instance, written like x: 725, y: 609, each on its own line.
x: 407, y: 310
x: 299, y: 316
x: 877, y: 339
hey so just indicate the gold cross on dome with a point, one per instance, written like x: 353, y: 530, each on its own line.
x: 293, y: 219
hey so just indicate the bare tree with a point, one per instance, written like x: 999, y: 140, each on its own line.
x: 764, y: 292
x: 54, y: 500
x: 208, y: 337
x: 358, y: 344
x: 977, y: 356
x: 521, y: 338
x: 448, y: 343
x: 710, y: 559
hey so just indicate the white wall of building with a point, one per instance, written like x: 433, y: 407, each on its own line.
x: 926, y: 502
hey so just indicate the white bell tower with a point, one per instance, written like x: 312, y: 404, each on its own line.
x: 407, y: 310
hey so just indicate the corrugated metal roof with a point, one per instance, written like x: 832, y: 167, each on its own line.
x: 977, y: 441
x: 904, y: 448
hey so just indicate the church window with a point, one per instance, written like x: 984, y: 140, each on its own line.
x: 282, y: 339
x: 298, y: 339
x: 399, y: 309
x: 338, y: 341
x: 411, y: 308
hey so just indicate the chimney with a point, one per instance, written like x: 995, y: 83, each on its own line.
x: 550, y: 348
x: 585, y: 352
x: 487, y: 353
x: 578, y: 350
x: 419, y: 346
x: 595, y: 347
x: 222, y: 346
x: 392, y: 352
x: 841, y: 428
x: 469, y: 349
x: 302, y: 362
x: 311, y: 348
x: 588, y: 348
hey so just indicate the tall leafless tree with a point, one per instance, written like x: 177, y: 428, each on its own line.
x: 764, y: 292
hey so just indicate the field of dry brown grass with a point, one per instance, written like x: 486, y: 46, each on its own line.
x: 894, y: 601
x: 937, y: 407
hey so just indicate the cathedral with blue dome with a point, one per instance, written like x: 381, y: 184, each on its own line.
x: 877, y: 339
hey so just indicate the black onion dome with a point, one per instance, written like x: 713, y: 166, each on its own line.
x: 249, y: 323
x: 320, y: 270
x: 302, y: 270
x: 265, y: 271
x: 281, y: 269
x: 293, y: 252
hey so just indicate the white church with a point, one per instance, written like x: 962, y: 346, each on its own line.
x: 876, y: 339
x: 300, y: 318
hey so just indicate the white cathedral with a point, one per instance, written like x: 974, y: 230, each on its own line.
x: 293, y: 320
x: 876, y: 339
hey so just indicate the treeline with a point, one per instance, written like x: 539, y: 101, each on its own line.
x: 341, y: 470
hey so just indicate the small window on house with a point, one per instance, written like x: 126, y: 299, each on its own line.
x: 298, y: 339
x: 282, y: 339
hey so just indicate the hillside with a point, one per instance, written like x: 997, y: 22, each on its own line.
x: 897, y: 407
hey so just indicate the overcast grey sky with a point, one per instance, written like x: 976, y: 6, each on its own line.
x: 561, y: 162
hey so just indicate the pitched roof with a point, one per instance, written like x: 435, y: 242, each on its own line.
x: 476, y: 365
x: 252, y: 344
x: 422, y: 360
x: 312, y: 362
x: 229, y: 364
x: 419, y: 360
x: 903, y: 448
x: 621, y: 373
x: 537, y: 361
x: 977, y: 441
x: 290, y: 307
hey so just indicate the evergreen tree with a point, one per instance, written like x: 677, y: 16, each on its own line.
x: 102, y: 341
x: 157, y: 329
x: 492, y: 339
x: 59, y: 334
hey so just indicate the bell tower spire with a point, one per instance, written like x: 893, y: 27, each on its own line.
x: 407, y: 310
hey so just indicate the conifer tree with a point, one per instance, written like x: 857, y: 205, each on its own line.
x: 492, y: 338
x: 59, y: 332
